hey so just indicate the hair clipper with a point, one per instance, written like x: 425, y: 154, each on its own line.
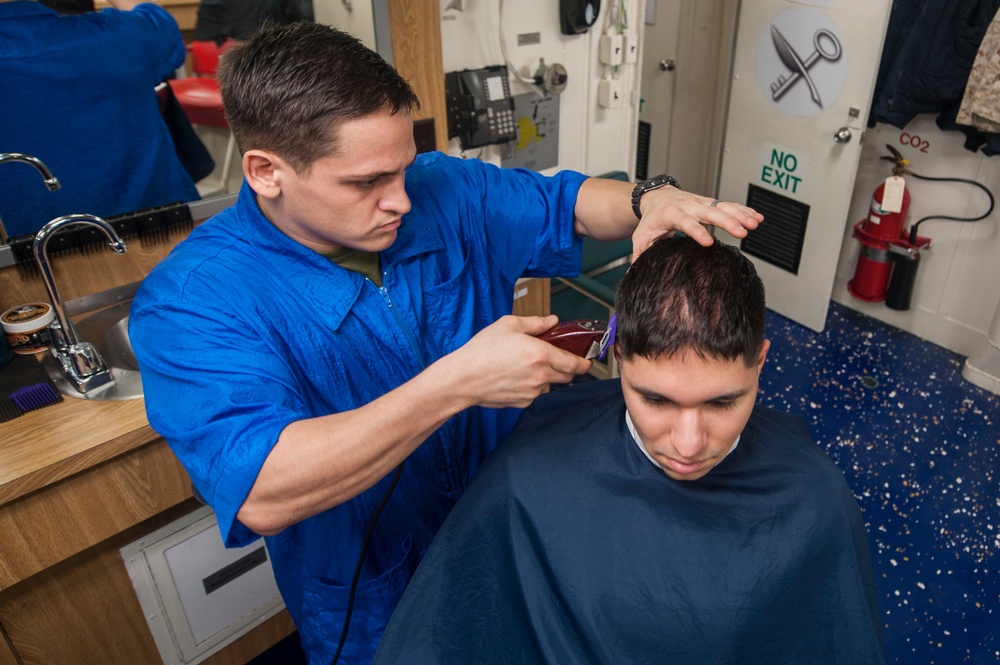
x: 583, y: 337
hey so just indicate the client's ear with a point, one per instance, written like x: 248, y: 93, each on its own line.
x: 763, y: 353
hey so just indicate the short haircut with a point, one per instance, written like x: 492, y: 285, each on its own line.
x: 680, y: 296
x: 287, y: 88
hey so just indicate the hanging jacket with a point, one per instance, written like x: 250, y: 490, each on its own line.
x: 930, y: 47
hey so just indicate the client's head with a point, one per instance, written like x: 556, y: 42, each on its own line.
x: 690, y: 345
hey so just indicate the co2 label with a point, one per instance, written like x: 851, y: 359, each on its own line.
x: 914, y: 141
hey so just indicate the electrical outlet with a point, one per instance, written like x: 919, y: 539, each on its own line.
x: 609, y: 93
x: 631, y: 48
x: 611, y: 49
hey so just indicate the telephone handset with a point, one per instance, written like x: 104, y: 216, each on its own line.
x: 480, y: 108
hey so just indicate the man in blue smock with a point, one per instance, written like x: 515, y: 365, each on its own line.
x: 659, y: 518
x: 79, y: 94
x: 348, y: 313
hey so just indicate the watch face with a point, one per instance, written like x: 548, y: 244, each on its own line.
x: 658, y: 181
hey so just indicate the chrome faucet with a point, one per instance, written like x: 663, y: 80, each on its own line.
x: 50, y: 180
x: 80, y: 361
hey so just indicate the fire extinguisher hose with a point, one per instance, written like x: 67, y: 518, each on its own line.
x: 913, y: 228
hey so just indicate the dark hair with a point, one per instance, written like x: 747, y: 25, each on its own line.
x: 287, y: 88
x: 681, y: 296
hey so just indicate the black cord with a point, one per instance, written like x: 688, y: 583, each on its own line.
x: 913, y: 228
x: 361, y: 560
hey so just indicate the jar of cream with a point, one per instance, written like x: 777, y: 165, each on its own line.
x: 27, y: 327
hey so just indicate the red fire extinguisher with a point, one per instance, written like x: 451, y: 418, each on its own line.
x: 890, y: 254
x: 876, y: 233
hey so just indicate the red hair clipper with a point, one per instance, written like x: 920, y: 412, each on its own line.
x: 583, y: 337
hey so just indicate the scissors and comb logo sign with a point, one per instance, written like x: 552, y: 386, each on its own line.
x: 801, y: 66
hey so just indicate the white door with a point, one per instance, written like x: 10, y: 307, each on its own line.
x: 659, y: 64
x: 803, y: 76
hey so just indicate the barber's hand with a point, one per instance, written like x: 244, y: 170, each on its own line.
x: 670, y: 209
x: 505, y: 365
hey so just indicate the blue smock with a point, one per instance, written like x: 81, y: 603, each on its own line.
x: 241, y: 331
x: 78, y: 94
x: 571, y: 546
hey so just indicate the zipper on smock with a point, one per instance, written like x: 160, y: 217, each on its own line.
x: 451, y: 469
x: 384, y: 292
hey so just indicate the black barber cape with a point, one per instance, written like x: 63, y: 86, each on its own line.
x: 571, y: 546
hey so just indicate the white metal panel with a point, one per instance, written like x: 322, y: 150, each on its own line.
x: 197, y: 595
x: 781, y: 124
x: 592, y: 139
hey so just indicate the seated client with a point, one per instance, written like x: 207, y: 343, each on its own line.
x: 659, y: 518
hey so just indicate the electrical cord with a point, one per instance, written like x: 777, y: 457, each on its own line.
x: 913, y: 228
x: 361, y: 560
x: 899, y: 168
x: 510, y: 67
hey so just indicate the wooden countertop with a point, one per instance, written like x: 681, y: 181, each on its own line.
x: 50, y: 444
x: 45, y: 446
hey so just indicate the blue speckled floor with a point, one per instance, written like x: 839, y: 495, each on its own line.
x: 920, y: 446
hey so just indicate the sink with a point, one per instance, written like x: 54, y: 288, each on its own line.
x: 108, y: 331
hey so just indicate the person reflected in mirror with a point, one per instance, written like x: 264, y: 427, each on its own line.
x: 221, y: 20
x: 351, y: 311
x: 658, y: 518
x: 79, y: 93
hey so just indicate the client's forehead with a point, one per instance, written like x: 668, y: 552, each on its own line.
x: 688, y: 377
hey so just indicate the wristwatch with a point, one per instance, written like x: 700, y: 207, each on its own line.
x: 647, y: 186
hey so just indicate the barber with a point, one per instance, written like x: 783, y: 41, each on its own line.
x: 350, y: 312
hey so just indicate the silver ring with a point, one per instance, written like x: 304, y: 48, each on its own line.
x: 713, y: 203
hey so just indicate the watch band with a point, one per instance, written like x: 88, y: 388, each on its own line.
x: 644, y: 186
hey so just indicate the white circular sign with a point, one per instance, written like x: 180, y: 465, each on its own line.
x: 801, y: 64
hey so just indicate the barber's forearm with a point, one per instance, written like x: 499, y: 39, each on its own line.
x: 322, y: 462
x: 604, y: 209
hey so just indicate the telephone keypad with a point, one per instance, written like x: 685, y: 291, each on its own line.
x: 480, y: 107
x: 501, y: 122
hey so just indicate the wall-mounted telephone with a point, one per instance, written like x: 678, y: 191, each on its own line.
x: 480, y: 108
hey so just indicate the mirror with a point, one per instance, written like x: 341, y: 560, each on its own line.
x: 367, y: 19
